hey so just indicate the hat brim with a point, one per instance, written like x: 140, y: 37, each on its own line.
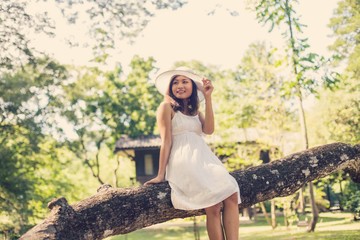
x: 162, y: 81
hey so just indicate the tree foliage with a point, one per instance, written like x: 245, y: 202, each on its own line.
x: 303, y: 65
x: 251, y: 108
x: 345, y: 25
x: 335, y: 116
x: 106, y: 23
x: 338, y: 110
x: 303, y: 62
x: 27, y: 149
x: 16, y: 24
x: 103, y: 105
x: 110, y: 21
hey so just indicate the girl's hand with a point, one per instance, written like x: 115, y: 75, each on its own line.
x: 207, y: 87
x: 154, y: 181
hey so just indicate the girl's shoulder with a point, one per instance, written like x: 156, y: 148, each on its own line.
x: 165, y: 108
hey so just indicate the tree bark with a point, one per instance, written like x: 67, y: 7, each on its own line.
x: 114, y: 211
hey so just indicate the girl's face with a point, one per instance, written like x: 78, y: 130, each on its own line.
x: 182, y: 87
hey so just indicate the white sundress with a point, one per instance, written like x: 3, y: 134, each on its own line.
x: 196, y: 176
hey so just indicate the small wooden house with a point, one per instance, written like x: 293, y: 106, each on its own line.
x: 144, y: 151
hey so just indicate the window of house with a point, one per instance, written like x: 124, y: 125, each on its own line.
x: 149, y: 166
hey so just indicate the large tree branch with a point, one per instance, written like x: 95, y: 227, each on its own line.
x: 115, y: 211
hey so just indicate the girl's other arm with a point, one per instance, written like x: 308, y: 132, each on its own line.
x: 163, y: 118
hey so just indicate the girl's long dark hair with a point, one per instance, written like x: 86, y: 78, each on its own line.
x: 178, y: 104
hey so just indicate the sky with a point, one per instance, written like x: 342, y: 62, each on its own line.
x: 221, y: 39
x: 197, y: 32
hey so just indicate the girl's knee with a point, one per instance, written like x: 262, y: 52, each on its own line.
x: 214, y: 210
x: 233, y: 199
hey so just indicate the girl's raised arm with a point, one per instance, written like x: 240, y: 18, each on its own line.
x: 207, y: 121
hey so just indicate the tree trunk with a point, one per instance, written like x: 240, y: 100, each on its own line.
x: 273, y: 214
x: 255, y: 214
x: 115, y: 211
x: 196, y: 229
x: 263, y: 209
x: 249, y: 211
x: 315, y: 212
x: 285, y: 213
x: 301, y: 201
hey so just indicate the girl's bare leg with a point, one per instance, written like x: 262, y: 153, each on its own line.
x: 231, y: 217
x: 213, y: 222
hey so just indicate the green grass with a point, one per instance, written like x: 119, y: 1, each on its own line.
x: 170, y: 233
x: 330, y: 226
x: 284, y: 235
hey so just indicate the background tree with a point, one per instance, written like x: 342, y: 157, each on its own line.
x: 101, y: 106
x: 28, y: 151
x: 335, y: 114
x: 302, y: 63
x: 260, y: 72
x: 345, y: 25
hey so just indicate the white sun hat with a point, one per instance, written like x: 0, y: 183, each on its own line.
x: 162, y: 81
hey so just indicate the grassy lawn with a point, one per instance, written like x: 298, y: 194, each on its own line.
x: 330, y: 226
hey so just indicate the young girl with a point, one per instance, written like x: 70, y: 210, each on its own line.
x: 197, y: 178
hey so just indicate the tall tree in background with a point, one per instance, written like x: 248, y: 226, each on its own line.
x: 303, y: 63
x: 337, y: 113
x: 31, y: 159
x: 346, y: 24
x: 260, y: 72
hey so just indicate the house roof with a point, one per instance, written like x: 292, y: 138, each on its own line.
x: 154, y: 141
x: 145, y: 142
